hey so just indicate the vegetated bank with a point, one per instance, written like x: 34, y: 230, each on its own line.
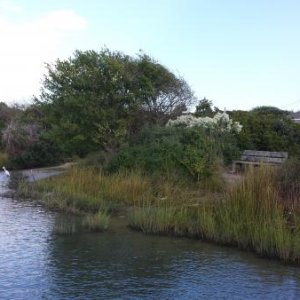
x: 152, y: 156
x: 260, y: 213
x: 255, y: 214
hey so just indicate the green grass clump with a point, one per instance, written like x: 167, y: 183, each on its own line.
x: 65, y: 228
x: 96, y: 222
x: 252, y: 217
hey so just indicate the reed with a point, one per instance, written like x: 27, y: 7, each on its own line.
x: 87, y: 190
x: 65, y: 228
x: 250, y: 216
x: 96, y: 222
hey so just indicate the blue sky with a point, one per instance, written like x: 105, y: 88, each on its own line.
x: 237, y: 53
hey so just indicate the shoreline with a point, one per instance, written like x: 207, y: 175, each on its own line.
x: 231, y: 217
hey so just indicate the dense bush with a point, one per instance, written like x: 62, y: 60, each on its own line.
x: 268, y: 129
x: 190, y: 151
x: 220, y: 127
x: 39, y: 154
x: 153, y: 150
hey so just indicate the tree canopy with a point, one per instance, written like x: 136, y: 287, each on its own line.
x: 93, y: 100
x: 205, y: 108
x: 268, y: 128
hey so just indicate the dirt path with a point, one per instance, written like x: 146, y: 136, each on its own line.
x: 41, y: 173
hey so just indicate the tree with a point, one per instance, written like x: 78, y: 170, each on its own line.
x: 205, y: 108
x: 270, y: 110
x: 163, y: 95
x: 268, y: 128
x: 17, y: 137
x: 94, y: 99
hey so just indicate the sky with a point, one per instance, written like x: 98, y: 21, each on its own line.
x: 239, y: 54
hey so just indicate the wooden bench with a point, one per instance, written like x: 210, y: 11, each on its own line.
x: 253, y: 157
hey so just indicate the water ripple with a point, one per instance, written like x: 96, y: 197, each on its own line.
x: 121, y: 264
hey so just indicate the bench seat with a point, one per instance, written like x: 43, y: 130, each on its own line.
x: 254, y: 157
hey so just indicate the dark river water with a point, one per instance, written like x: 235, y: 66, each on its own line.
x: 36, y: 263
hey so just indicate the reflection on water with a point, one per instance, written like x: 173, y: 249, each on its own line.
x: 132, y: 265
x: 38, y: 264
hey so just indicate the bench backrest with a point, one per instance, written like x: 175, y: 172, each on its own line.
x: 264, y: 156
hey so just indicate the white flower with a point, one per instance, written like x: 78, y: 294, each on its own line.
x: 220, y: 121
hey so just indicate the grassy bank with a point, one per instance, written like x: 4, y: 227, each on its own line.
x: 84, y: 190
x: 88, y: 190
x: 250, y: 215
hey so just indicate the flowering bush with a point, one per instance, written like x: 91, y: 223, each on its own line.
x: 220, y: 129
x: 220, y: 122
x: 189, y: 146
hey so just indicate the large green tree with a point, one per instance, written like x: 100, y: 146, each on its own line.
x: 95, y: 99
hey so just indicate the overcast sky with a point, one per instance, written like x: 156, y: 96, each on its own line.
x: 237, y: 53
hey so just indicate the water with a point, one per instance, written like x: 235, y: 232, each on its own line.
x: 36, y: 263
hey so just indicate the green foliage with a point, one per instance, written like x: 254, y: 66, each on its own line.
x: 65, y: 228
x: 162, y: 94
x: 97, y: 160
x: 152, y: 150
x: 205, y: 108
x: 41, y: 153
x: 96, y: 222
x: 193, y: 152
x: 94, y: 100
x: 268, y: 129
x: 86, y: 190
x: 270, y: 110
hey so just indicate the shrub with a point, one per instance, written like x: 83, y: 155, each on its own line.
x: 193, y: 152
x: 39, y: 154
x: 268, y: 129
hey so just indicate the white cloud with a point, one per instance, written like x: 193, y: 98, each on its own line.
x: 9, y: 6
x: 25, y: 47
x: 63, y: 20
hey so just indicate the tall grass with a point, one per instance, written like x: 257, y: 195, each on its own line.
x: 96, y: 222
x: 88, y: 190
x: 65, y: 228
x: 250, y: 216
